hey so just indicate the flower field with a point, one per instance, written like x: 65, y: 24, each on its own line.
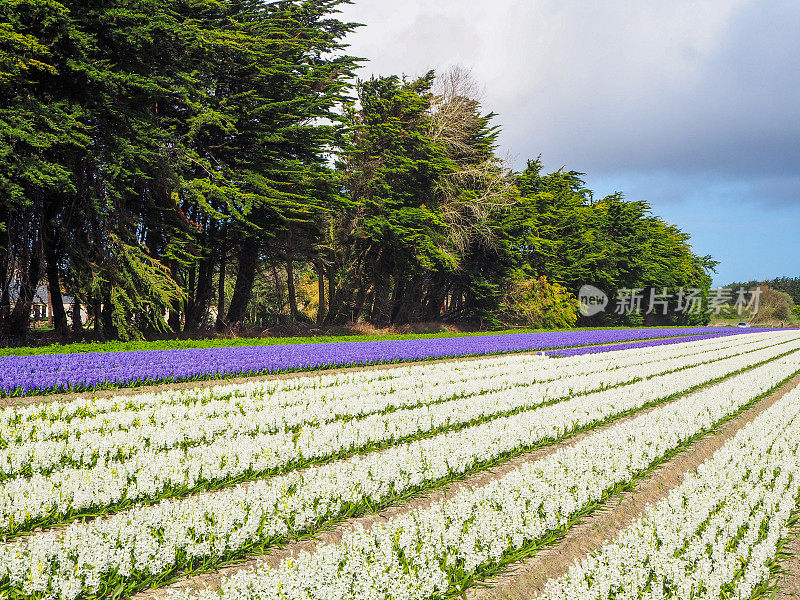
x: 123, y: 495
x: 24, y: 375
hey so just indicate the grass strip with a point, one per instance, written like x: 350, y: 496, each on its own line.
x: 130, y: 346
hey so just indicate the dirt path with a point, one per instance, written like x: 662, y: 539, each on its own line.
x: 334, y: 535
x: 528, y: 577
x: 787, y: 583
x: 595, y: 529
x: 513, y: 462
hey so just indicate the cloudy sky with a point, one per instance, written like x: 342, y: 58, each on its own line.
x: 693, y: 105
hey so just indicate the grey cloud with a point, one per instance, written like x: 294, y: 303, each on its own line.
x: 692, y: 91
x: 411, y: 43
x: 777, y: 192
x: 726, y: 107
x: 700, y: 189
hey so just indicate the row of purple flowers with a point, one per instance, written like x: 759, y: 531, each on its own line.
x: 646, y: 343
x: 26, y: 375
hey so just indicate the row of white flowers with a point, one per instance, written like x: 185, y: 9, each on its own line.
x: 312, y: 404
x: 436, y: 550
x: 161, y: 429
x: 324, y: 386
x: 719, y: 530
x: 56, y: 420
x: 149, y: 474
x: 35, y: 441
x: 202, y: 415
x: 149, y: 540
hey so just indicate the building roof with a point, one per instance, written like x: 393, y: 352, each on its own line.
x: 42, y: 295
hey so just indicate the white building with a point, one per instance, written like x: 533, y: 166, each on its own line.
x: 42, y: 308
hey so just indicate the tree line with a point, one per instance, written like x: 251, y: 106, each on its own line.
x: 779, y: 298
x: 160, y: 158
x: 787, y: 285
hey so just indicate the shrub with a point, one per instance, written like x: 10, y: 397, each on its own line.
x: 539, y: 303
x: 774, y: 306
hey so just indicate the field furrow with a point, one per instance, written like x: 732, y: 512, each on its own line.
x: 717, y: 534
x: 144, y: 437
x: 341, y: 395
x: 26, y: 375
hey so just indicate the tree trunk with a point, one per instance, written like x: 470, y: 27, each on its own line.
x: 396, y: 306
x: 5, y: 266
x: 5, y: 311
x: 333, y: 304
x: 203, y: 292
x: 59, y: 315
x: 358, y: 305
x: 321, y: 310
x: 248, y: 259
x: 435, y: 298
x: 190, y: 295
x: 20, y: 319
x: 291, y: 292
x: 383, y: 290
x: 174, y: 320
x: 223, y: 261
x: 77, y: 319
x: 290, y: 288
x: 280, y: 304
x: 97, y: 310
x: 106, y: 317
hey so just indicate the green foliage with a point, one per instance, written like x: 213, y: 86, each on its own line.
x: 789, y: 285
x: 140, y: 128
x: 421, y: 179
x: 557, y: 230
x: 538, y: 303
x: 141, y: 291
x: 391, y: 168
x: 698, y: 318
x: 124, y: 346
x: 162, y: 157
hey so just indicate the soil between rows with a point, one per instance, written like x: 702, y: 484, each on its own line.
x: 787, y: 583
x: 207, y: 383
x: 57, y: 527
x: 528, y: 576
